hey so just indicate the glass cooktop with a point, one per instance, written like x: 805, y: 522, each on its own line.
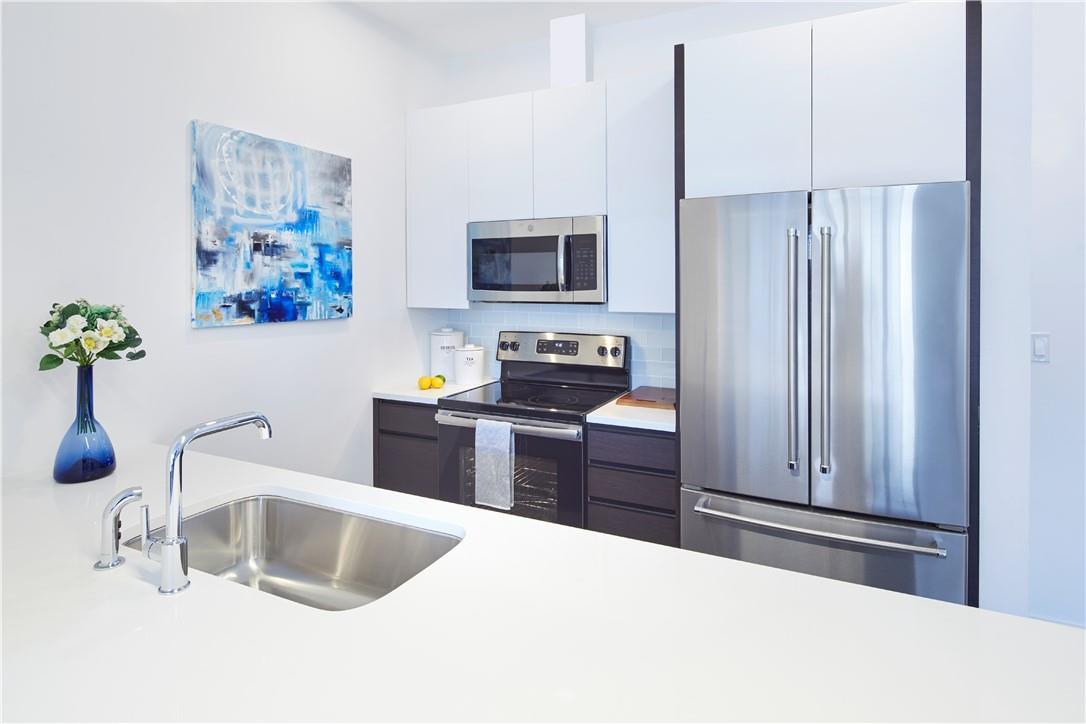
x: 522, y: 398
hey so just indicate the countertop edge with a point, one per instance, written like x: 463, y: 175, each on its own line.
x: 423, y: 397
x: 642, y: 418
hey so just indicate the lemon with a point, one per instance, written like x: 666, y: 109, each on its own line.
x: 437, y: 381
x: 440, y: 377
x: 424, y: 382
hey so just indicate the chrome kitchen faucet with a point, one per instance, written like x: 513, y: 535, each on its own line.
x: 172, y: 548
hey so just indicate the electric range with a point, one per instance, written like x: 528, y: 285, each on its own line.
x: 549, y: 383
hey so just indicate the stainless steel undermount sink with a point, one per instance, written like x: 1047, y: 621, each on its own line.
x: 325, y: 558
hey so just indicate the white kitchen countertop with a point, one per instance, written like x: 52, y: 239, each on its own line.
x: 645, y: 418
x: 410, y: 392
x: 522, y: 620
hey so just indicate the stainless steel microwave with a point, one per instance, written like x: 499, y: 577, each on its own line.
x: 560, y: 260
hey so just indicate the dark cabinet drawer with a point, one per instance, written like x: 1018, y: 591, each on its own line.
x: 650, y: 527
x: 628, y: 486
x: 406, y: 418
x: 634, y: 449
x: 407, y: 465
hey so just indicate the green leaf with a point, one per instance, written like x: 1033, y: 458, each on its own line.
x: 49, y: 362
x: 127, y: 343
x: 106, y: 354
x: 69, y: 310
x: 132, y: 356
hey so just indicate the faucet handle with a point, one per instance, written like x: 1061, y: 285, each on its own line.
x: 146, y: 541
x: 111, y: 528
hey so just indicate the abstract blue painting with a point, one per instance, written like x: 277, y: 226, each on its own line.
x: 272, y: 223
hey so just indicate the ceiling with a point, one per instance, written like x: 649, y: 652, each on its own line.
x: 457, y: 28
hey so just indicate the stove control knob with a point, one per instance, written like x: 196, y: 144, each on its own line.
x: 601, y: 351
x: 503, y: 345
x: 515, y: 346
x: 616, y: 352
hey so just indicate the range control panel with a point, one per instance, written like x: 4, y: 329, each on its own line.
x: 568, y: 347
x: 596, y: 350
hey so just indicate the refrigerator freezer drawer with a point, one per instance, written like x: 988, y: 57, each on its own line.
x: 922, y: 561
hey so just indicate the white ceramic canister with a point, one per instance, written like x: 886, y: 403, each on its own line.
x: 470, y: 362
x: 442, y: 343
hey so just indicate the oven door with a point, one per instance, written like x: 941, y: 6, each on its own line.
x: 520, y: 261
x: 548, y: 466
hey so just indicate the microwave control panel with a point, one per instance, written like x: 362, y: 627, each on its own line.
x: 584, y: 262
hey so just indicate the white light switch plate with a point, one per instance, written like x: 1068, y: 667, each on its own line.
x: 1040, y: 348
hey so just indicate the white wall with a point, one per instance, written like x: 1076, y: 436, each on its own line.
x: 1032, y: 415
x: 1006, y: 166
x: 1058, y: 492
x: 97, y: 99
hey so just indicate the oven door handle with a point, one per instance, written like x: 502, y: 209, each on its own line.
x: 556, y: 431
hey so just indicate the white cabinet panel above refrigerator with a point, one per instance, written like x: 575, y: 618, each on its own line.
x: 889, y: 96
x: 748, y: 112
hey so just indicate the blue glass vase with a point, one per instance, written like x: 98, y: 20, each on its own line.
x: 86, y: 452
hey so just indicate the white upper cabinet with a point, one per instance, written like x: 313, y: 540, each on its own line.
x: 641, y: 193
x: 889, y: 96
x: 748, y: 112
x: 569, y: 140
x: 437, y: 207
x: 500, y: 158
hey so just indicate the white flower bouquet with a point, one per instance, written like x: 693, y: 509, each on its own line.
x: 85, y: 333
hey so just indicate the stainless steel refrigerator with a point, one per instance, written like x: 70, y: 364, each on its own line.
x: 823, y: 389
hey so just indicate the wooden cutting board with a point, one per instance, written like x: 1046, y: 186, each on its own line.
x: 661, y: 398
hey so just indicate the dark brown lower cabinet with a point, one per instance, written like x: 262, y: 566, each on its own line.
x: 651, y: 526
x: 405, y: 447
x: 631, y: 487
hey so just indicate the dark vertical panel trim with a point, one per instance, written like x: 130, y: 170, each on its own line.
x: 680, y: 192
x: 972, y: 174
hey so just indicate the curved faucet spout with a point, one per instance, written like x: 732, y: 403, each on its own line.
x: 173, y: 545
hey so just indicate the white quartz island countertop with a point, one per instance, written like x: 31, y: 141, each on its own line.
x: 521, y: 620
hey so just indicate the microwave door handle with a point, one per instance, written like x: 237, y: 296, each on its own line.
x: 563, y: 243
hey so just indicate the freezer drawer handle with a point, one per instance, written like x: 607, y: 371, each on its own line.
x: 825, y: 235
x: 700, y: 507
x: 555, y: 431
x: 793, y: 345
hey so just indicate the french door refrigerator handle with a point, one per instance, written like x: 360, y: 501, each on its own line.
x: 933, y: 550
x: 793, y: 343
x: 825, y: 235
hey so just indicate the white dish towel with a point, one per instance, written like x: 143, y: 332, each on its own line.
x: 494, y: 464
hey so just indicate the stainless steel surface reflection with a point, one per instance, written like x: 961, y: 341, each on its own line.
x: 912, y: 559
x: 743, y: 398
x: 324, y: 558
x: 892, y: 388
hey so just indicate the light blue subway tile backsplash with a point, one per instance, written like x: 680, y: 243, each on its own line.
x: 652, y: 336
